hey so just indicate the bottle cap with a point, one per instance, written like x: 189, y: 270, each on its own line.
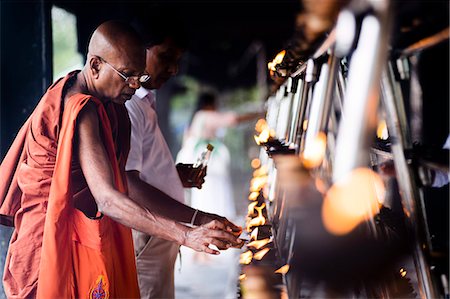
x: 210, y: 147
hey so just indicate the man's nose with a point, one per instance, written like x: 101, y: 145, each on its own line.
x: 135, y: 84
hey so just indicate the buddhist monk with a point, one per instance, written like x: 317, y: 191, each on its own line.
x: 63, y: 185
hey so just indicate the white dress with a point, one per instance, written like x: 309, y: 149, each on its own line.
x: 216, y: 195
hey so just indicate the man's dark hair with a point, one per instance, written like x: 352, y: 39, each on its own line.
x: 156, y: 24
x: 205, y: 99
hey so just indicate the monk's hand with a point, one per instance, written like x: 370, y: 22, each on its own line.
x: 211, y: 233
x: 203, y: 218
x: 190, y: 176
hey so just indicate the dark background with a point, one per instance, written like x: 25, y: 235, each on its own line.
x: 221, y: 35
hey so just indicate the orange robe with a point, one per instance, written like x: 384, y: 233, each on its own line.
x: 56, y: 251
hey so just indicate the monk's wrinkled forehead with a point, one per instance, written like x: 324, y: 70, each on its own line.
x: 118, y: 43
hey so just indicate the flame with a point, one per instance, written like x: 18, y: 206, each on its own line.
x: 283, y: 270
x: 242, y: 276
x: 245, y: 258
x: 305, y: 125
x: 314, y: 152
x: 259, y: 220
x: 259, y: 243
x: 257, y: 183
x: 352, y: 200
x: 263, y: 136
x: 277, y: 60
x: 260, y: 254
x: 262, y: 171
x: 382, y: 131
x: 254, y: 235
x: 255, y: 163
x: 253, y: 196
x: 403, y: 272
x: 260, y: 125
x: 251, y: 207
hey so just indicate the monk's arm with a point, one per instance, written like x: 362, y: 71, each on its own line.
x: 165, y: 205
x: 99, y: 177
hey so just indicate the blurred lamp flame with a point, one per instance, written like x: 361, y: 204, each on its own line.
x: 305, y: 125
x: 352, y: 200
x: 314, y: 152
x: 277, y: 60
x: 257, y: 183
x: 403, y: 272
x: 259, y: 243
x: 260, y: 125
x: 253, y: 196
x: 382, y: 131
x: 251, y: 208
x: 259, y: 220
x: 245, y: 258
x: 283, y: 270
x: 260, y: 254
x: 262, y: 171
x: 255, y: 163
x: 263, y: 136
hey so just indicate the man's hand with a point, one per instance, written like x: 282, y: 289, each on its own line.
x: 215, y: 233
x: 204, y: 217
x: 190, y: 176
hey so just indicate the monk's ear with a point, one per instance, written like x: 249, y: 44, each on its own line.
x: 95, y: 66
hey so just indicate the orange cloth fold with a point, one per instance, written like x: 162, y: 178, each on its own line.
x: 56, y: 251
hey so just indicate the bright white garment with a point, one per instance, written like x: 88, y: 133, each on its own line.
x: 149, y: 152
x: 216, y: 194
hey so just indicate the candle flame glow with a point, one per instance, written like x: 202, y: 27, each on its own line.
x: 260, y: 254
x: 283, y: 270
x: 245, y: 258
x: 257, y: 183
x: 259, y: 243
x: 251, y: 208
x: 277, y: 60
x: 259, y: 220
x: 260, y: 125
x: 262, y: 171
x: 255, y: 163
x: 253, y: 196
x: 314, y: 152
x: 352, y: 200
x: 382, y: 131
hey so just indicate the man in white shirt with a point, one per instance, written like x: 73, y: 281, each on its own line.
x: 150, y: 161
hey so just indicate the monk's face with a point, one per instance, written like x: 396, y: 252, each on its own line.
x: 118, y: 78
x: 162, y: 63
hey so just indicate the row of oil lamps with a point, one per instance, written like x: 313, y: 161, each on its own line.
x: 260, y: 278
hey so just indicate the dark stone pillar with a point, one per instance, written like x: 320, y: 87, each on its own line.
x: 26, y: 72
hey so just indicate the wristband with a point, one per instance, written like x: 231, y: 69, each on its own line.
x: 193, y: 217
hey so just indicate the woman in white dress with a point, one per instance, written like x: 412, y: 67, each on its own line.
x: 216, y: 194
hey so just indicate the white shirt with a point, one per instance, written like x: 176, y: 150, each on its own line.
x: 149, y: 152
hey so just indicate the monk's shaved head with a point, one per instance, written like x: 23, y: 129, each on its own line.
x: 115, y: 54
x: 115, y: 40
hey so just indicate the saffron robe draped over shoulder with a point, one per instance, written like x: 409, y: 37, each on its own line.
x: 56, y: 251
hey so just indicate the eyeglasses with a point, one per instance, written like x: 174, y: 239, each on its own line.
x: 128, y: 79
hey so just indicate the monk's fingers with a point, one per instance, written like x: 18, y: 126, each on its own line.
x: 215, y: 224
x: 224, y: 236
x: 233, y: 228
x: 206, y: 249
x: 219, y: 243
